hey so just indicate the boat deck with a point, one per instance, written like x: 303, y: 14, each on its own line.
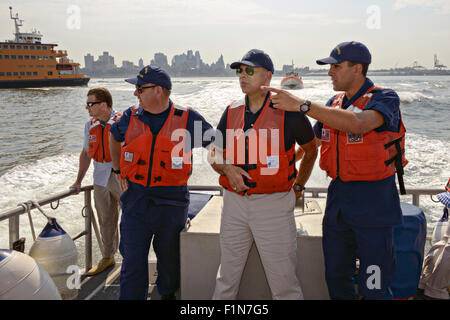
x: 106, y: 285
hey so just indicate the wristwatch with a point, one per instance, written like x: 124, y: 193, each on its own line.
x: 115, y: 171
x: 305, y: 106
x: 298, y: 187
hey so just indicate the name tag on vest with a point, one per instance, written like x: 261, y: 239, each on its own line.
x: 273, y: 162
x: 326, y: 135
x: 92, y: 138
x: 128, y: 156
x: 177, y: 163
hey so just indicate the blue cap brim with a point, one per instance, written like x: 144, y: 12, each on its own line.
x: 132, y: 80
x: 237, y: 64
x: 329, y: 60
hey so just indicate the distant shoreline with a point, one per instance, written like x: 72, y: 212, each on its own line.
x: 280, y: 74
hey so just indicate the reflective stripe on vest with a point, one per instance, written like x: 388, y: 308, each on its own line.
x: 99, y: 138
x: 260, y: 151
x: 371, y: 157
x: 161, y: 160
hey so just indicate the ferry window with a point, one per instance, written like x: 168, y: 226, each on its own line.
x: 27, y: 57
x: 44, y: 48
x: 38, y: 47
x: 46, y: 58
x: 2, y: 74
x: 50, y: 73
x: 33, y: 57
x: 25, y: 47
x: 19, y: 47
x: 1, y: 56
x: 52, y: 57
x: 8, y: 73
x: 13, y: 57
x: 16, y: 74
x: 5, y: 46
x: 39, y: 57
x: 35, y: 73
x: 20, y: 57
x: 12, y: 46
x: 31, y: 47
x: 28, y: 73
x: 22, y: 73
x: 6, y: 57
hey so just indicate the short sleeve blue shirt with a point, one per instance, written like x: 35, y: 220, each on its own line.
x: 367, y: 203
x: 138, y: 198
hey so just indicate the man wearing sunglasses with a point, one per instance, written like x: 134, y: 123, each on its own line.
x: 254, y: 153
x: 106, y: 188
x: 153, y: 166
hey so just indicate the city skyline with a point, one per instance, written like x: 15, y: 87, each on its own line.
x: 397, y: 32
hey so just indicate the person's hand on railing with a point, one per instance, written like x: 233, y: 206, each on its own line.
x: 76, y: 186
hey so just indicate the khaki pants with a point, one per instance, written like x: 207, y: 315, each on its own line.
x: 107, y: 204
x: 268, y: 219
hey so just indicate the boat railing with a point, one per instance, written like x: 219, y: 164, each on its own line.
x: 13, y: 215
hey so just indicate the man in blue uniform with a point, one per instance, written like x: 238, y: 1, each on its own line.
x: 154, y: 176
x: 363, y: 203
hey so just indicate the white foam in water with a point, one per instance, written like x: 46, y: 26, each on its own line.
x: 410, y: 97
x: 39, y: 180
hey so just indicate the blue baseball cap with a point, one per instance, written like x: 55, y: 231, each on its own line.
x: 348, y: 51
x: 255, y: 58
x: 151, y: 74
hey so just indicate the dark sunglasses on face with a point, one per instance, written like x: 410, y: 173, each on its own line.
x: 139, y: 88
x: 248, y: 70
x: 90, y: 104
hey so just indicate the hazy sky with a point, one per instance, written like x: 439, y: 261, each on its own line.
x: 397, y: 32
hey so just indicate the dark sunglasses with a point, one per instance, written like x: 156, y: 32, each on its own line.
x: 139, y: 88
x: 90, y: 104
x: 248, y: 70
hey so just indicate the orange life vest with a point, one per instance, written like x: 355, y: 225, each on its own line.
x: 371, y: 157
x: 99, y: 139
x: 261, y: 152
x: 170, y: 163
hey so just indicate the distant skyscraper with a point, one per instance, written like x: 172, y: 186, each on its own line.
x: 106, y: 61
x: 160, y: 60
x: 89, y: 61
x: 141, y: 63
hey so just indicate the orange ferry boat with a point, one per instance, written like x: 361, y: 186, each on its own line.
x: 26, y: 62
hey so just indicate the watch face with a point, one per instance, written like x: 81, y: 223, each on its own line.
x: 305, y: 106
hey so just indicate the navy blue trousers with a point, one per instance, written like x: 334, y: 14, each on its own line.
x: 163, y: 224
x: 342, y: 244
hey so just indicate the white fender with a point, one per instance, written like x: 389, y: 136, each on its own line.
x: 22, y: 278
x: 55, y: 251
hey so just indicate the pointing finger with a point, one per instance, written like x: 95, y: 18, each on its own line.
x: 271, y: 89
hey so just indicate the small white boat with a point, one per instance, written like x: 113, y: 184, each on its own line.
x: 292, y: 80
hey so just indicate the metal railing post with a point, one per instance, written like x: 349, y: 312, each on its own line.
x: 87, y: 224
x: 13, y: 230
x: 416, y: 200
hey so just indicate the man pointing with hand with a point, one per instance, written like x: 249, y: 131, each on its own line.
x: 362, y: 147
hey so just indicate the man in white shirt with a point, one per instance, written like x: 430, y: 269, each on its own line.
x: 106, y: 188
